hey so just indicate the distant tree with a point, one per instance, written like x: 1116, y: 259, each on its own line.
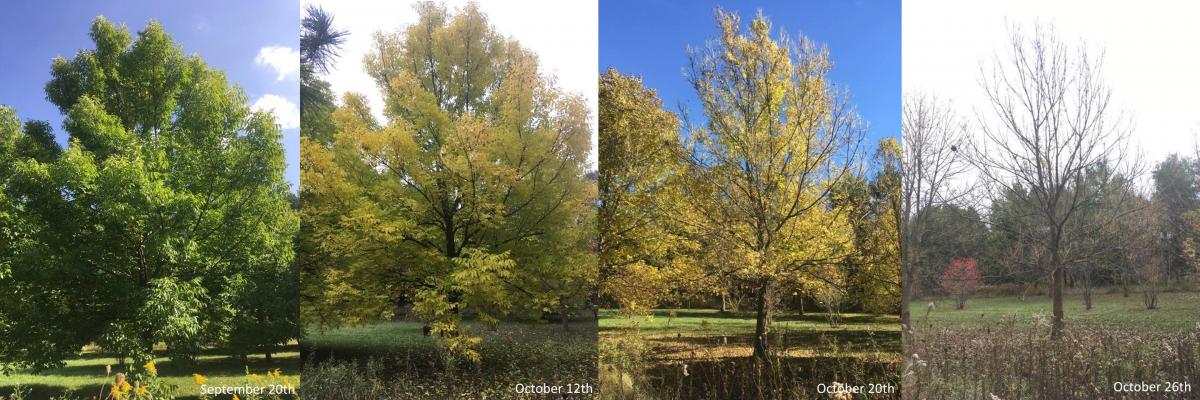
x: 320, y: 42
x: 933, y: 137
x: 873, y: 274
x: 961, y: 280
x: 1177, y: 191
x: 1143, y: 248
x: 639, y: 164
x: 950, y: 232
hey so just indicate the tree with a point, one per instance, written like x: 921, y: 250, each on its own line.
x: 170, y: 191
x: 1052, y: 122
x: 932, y: 136
x: 873, y: 274
x: 473, y: 195
x: 961, y: 280
x: 638, y: 155
x: 761, y: 170
x: 950, y: 232
x: 1143, y: 248
x: 1177, y: 190
x: 319, y: 46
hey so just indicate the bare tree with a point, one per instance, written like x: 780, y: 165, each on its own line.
x: 932, y: 136
x: 1051, y: 122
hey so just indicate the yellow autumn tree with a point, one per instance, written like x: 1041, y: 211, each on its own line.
x: 474, y: 194
x: 777, y: 141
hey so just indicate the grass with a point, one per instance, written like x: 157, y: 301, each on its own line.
x: 708, y: 354
x: 84, y: 376
x: 1176, y: 311
x: 1001, y: 347
x: 396, y: 360
x: 732, y: 331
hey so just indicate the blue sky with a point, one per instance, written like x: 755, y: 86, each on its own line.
x: 252, y: 41
x: 649, y: 38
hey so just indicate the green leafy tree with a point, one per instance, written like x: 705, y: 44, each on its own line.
x: 1177, y: 190
x: 170, y: 193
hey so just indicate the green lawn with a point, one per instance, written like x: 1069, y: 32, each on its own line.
x: 84, y: 376
x: 1176, y: 311
x: 395, y: 359
x: 405, y: 337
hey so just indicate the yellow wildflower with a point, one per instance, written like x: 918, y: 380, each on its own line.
x: 120, y: 389
x: 199, y: 379
x: 141, y: 391
x: 235, y: 397
x: 151, y: 368
x: 257, y: 378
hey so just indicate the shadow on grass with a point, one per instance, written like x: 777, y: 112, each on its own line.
x: 214, y: 365
x: 748, y: 318
x: 405, y: 340
x: 887, y: 341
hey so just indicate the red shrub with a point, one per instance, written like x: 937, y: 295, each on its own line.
x: 961, y: 280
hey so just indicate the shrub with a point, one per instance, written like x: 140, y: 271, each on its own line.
x: 961, y: 280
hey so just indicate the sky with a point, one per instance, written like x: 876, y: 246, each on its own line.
x: 649, y: 38
x: 254, y: 42
x: 1151, y: 48
x: 561, y: 33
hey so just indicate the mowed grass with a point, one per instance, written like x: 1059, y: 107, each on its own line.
x: 729, y: 334
x: 83, y: 377
x: 406, y: 337
x: 395, y: 359
x: 1177, y: 311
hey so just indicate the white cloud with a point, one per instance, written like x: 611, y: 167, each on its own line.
x: 284, y: 60
x: 564, y: 34
x: 287, y: 114
x: 1150, y: 57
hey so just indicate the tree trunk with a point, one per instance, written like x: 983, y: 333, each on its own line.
x: 564, y: 315
x: 762, y: 319
x: 1056, y: 295
x: 1087, y: 291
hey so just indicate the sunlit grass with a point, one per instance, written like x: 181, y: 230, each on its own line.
x: 83, y: 377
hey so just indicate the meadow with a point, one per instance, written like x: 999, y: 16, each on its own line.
x: 83, y: 377
x: 1000, y: 348
x: 395, y: 359
x: 698, y: 354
